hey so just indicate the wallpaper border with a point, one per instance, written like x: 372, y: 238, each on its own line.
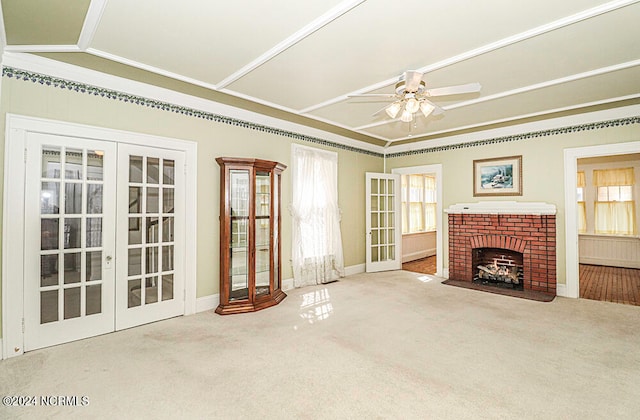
x: 46, y: 80
x: 523, y: 136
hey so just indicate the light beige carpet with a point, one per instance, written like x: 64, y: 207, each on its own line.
x: 395, y: 345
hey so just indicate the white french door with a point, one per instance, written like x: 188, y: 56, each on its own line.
x: 69, y: 239
x: 150, y: 281
x: 104, y: 237
x: 384, y: 232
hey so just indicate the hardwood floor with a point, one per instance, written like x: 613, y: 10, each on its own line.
x: 611, y: 284
x: 424, y: 265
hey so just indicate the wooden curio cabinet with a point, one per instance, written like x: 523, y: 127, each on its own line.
x: 250, y: 271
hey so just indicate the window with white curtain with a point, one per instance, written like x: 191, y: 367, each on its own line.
x: 316, y: 238
x: 418, y: 203
x: 615, y: 204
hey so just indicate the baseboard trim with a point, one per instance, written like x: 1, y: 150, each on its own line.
x: 354, y: 269
x: 207, y: 303
x: 287, y: 284
x: 609, y: 262
x: 561, y: 290
x: 418, y: 255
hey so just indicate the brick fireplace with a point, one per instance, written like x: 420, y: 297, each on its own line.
x: 506, y: 236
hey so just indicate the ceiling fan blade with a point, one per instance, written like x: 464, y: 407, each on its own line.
x: 454, y: 90
x: 372, y: 95
x: 412, y: 80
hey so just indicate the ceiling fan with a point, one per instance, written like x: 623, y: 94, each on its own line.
x: 411, y: 95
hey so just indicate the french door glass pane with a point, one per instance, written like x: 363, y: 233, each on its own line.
x: 48, y: 306
x: 153, y: 170
x: 135, y: 169
x: 168, y: 171
x: 94, y: 299
x: 49, y: 235
x: 94, y: 232
x: 50, y: 198
x: 73, y: 198
x: 94, y: 266
x: 49, y: 270
x: 73, y: 164
x: 72, y: 267
x: 72, y: 302
x: 72, y: 233
x: 51, y: 162
x: 95, y: 169
x: 94, y: 198
x: 167, y: 287
x: 135, y: 230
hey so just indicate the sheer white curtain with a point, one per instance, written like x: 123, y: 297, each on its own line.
x: 316, y: 239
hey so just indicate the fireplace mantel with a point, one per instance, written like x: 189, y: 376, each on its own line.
x: 503, y: 207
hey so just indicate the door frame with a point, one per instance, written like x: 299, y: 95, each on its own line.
x: 13, y: 246
x: 437, y: 170
x: 571, y: 287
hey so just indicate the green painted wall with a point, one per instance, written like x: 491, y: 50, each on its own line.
x: 542, y: 172
x: 213, y: 139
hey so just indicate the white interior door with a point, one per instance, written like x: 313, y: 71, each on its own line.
x: 151, y: 226
x: 104, y: 237
x: 69, y: 239
x: 384, y: 240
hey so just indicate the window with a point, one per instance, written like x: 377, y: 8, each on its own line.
x: 316, y: 238
x: 418, y: 203
x: 615, y: 193
x: 615, y: 205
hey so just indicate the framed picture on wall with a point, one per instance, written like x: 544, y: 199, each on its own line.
x: 497, y: 176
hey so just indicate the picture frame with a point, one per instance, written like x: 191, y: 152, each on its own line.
x: 497, y: 176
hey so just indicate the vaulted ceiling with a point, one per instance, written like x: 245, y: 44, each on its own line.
x: 302, y: 60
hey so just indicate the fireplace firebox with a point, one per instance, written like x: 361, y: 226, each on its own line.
x: 498, y: 267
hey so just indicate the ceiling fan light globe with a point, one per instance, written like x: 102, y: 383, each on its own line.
x: 426, y: 108
x: 412, y: 105
x: 393, y: 109
x: 406, y: 116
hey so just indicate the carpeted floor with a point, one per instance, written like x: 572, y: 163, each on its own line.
x: 395, y: 345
